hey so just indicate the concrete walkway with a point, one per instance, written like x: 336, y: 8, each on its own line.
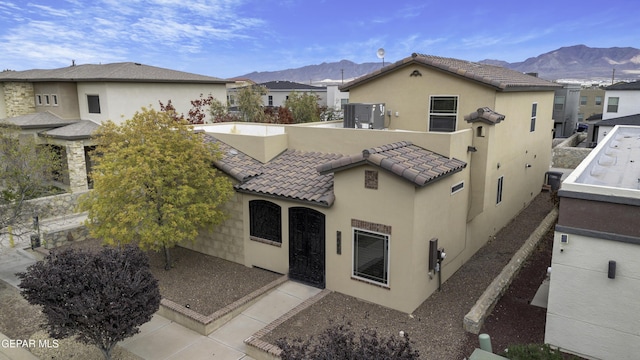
x: 162, y: 338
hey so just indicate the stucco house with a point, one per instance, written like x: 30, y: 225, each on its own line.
x: 621, y: 99
x: 62, y: 107
x: 278, y: 92
x: 592, y: 309
x: 362, y: 211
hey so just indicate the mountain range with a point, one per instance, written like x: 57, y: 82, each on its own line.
x: 578, y: 62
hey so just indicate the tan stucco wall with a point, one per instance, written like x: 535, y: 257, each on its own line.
x: 18, y: 99
x: 225, y: 240
x: 589, y: 314
x: 410, y: 96
x: 261, y: 148
x: 120, y: 101
x: 67, y: 93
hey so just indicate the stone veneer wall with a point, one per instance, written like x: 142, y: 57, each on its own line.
x: 226, y: 240
x: 566, y: 155
x: 77, y: 166
x: 19, y: 98
x: 57, y: 205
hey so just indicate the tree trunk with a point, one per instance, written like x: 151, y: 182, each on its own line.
x: 106, y: 353
x: 167, y: 258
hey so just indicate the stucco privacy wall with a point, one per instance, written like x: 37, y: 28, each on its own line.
x: 225, y: 240
x: 18, y: 98
x: 588, y: 313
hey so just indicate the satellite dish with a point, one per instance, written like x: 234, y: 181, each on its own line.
x: 380, y: 53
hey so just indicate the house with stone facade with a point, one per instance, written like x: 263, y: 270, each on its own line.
x: 62, y: 107
x: 592, y: 309
x: 464, y: 148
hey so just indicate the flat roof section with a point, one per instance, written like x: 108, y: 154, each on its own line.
x: 612, y: 168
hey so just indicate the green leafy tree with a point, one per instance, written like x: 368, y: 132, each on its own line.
x: 341, y: 342
x: 250, y: 104
x: 220, y: 112
x: 154, y: 183
x: 27, y: 171
x: 303, y: 107
x: 100, y: 299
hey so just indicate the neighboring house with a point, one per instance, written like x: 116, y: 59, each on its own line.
x: 62, y: 107
x: 621, y: 99
x: 599, y: 130
x: 565, y: 110
x: 592, y: 307
x: 278, y: 92
x: 591, y: 103
x: 362, y: 212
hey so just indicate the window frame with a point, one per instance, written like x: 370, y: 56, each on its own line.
x: 359, y: 275
x: 611, y: 108
x: 562, y: 104
x: 442, y: 115
x: 534, y: 115
x: 39, y: 99
x: 270, y: 100
x: 54, y: 99
x: 598, y: 100
x: 47, y: 100
x: 583, y: 100
x: 456, y: 188
x: 256, y: 230
x: 89, y: 104
x: 500, y: 190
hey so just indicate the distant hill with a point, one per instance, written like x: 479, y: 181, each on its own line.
x: 572, y: 62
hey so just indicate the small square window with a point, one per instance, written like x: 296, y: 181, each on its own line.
x: 54, y: 99
x: 598, y: 100
x: 47, y: 100
x: 583, y: 100
x: 94, y: 104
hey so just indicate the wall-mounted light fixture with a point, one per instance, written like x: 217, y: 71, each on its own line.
x: 612, y: 270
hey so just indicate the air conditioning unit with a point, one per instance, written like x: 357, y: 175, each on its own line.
x: 364, y: 116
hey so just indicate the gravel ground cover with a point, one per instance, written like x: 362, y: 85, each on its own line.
x: 436, y: 325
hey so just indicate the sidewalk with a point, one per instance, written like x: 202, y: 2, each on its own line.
x: 162, y: 338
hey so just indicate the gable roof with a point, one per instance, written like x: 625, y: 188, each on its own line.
x: 635, y: 85
x: 622, y: 120
x: 115, y: 72
x: 290, y: 85
x: 411, y: 162
x: 497, y: 77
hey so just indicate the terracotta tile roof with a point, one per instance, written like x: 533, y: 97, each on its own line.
x: 411, y: 162
x: 485, y: 115
x: 500, y: 78
x: 293, y: 175
x: 234, y: 163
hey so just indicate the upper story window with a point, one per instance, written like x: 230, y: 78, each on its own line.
x: 558, y: 103
x: 47, y: 100
x: 231, y: 99
x: 612, y: 105
x: 54, y: 100
x: 265, y: 221
x: 534, y: 114
x: 598, y: 100
x: 38, y: 99
x: 443, y: 112
x: 94, y: 104
x: 583, y: 100
x: 270, y: 100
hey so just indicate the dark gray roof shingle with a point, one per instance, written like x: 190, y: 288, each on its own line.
x: 289, y: 85
x: 500, y: 78
x: 39, y: 120
x: 120, y: 72
x: 622, y: 120
x: 82, y: 129
x: 635, y: 85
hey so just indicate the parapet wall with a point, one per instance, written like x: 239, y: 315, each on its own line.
x: 566, y: 155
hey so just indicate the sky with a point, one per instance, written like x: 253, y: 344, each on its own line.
x: 228, y: 38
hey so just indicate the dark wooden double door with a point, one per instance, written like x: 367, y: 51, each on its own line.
x: 307, y: 246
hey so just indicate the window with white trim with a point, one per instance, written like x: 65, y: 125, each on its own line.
x: 457, y: 187
x: 270, y: 100
x: 499, y: 191
x: 371, y: 256
x: 612, y: 105
x: 47, y: 100
x: 558, y: 103
x: 443, y: 112
x: 54, y: 99
x: 38, y: 99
